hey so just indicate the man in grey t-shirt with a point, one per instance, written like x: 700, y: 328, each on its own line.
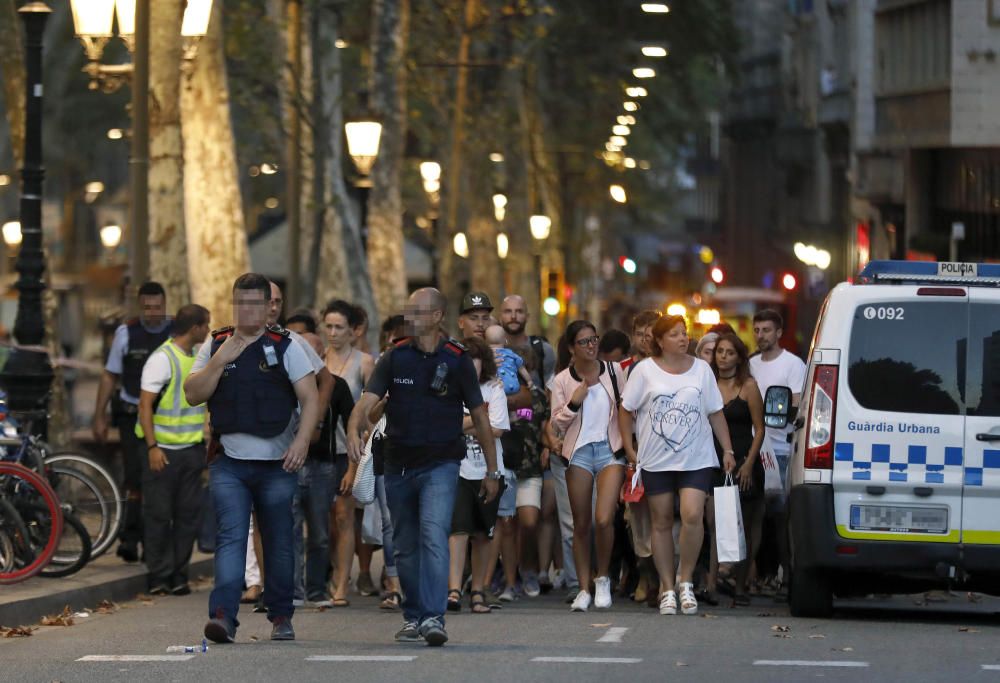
x: 254, y: 378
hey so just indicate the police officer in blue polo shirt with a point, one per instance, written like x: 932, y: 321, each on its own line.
x: 428, y: 378
x: 254, y: 377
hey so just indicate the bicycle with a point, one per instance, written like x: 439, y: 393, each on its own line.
x: 31, y: 523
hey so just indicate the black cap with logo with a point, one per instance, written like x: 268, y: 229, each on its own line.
x: 474, y: 301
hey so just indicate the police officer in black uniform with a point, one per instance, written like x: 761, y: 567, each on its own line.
x: 428, y: 378
x: 133, y: 342
x: 253, y: 377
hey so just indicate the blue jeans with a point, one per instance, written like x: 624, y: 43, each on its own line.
x: 388, y: 550
x: 594, y: 457
x: 313, y: 501
x: 239, y: 486
x: 421, y: 501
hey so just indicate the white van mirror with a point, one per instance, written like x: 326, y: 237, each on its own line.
x: 778, y: 407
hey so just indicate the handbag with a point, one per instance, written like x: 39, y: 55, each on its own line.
x: 371, y: 525
x: 730, y: 541
x: 772, y: 475
x: 633, y: 490
x: 364, y: 480
x: 620, y: 453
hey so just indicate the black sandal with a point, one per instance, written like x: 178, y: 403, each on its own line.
x: 478, y: 606
x: 454, y: 603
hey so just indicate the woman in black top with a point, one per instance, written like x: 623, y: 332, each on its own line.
x: 744, y: 411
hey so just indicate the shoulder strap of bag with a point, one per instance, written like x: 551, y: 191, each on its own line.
x: 614, y: 383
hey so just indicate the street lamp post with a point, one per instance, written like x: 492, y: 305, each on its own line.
x: 362, y: 144
x: 27, y: 374
x: 93, y: 23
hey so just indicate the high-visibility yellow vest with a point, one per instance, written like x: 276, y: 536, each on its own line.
x: 175, y: 421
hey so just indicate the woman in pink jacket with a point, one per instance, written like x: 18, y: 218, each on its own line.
x: 585, y: 398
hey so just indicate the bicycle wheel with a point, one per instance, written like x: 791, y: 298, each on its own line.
x: 73, y: 551
x: 110, y: 494
x: 6, y: 551
x: 37, y: 507
x: 81, y: 497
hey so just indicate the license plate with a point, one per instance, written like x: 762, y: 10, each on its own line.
x: 901, y: 519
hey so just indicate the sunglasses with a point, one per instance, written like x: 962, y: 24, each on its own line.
x: 589, y: 341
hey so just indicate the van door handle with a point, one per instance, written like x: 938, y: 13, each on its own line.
x: 987, y: 436
x: 923, y: 491
x: 875, y: 490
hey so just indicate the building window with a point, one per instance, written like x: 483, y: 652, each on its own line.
x: 914, y: 47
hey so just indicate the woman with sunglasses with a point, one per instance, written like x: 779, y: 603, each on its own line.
x: 585, y: 398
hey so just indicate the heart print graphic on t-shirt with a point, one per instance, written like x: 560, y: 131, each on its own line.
x: 676, y: 417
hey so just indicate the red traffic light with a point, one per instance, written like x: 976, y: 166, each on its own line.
x: 717, y: 275
x: 789, y: 282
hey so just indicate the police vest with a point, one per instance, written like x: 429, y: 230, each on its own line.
x: 418, y: 415
x: 254, y: 395
x: 141, y: 343
x: 175, y: 421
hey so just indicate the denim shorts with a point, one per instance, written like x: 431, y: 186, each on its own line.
x: 594, y: 457
x: 508, y: 499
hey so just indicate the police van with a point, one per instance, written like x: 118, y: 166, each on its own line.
x: 894, y: 480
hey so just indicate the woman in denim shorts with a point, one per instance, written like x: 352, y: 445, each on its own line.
x: 585, y: 397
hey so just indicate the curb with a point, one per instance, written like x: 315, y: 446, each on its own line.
x: 50, y: 596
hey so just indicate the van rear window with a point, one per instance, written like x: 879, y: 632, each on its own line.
x: 984, y: 360
x: 909, y: 357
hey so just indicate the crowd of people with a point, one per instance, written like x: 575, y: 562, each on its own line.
x: 503, y: 468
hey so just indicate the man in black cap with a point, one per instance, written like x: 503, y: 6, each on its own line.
x: 475, y: 315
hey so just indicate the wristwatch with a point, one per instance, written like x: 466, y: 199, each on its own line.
x: 498, y: 475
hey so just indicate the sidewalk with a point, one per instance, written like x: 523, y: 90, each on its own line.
x: 106, y: 578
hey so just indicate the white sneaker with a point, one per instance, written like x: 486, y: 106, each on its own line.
x: 508, y: 595
x: 531, y: 585
x: 582, y: 602
x: 602, y: 592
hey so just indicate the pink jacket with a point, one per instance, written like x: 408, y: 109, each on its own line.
x: 567, y: 421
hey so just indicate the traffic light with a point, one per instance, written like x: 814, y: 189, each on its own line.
x: 789, y: 282
x: 553, y: 292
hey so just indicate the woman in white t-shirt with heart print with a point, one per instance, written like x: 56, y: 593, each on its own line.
x: 673, y: 401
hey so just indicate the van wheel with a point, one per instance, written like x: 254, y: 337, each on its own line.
x: 810, y: 594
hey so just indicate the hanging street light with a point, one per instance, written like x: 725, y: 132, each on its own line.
x: 503, y: 245
x: 540, y: 226
x: 499, y: 206
x: 362, y: 144
x: 461, y: 244
x: 12, y: 233
x: 618, y: 194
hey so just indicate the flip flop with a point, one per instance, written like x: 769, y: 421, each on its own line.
x: 454, y: 600
x: 341, y: 602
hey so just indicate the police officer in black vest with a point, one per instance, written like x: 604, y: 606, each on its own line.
x: 254, y: 378
x: 428, y: 378
x: 133, y: 342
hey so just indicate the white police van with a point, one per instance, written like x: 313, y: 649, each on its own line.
x: 894, y: 481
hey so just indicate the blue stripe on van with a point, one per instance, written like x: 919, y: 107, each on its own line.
x: 880, y: 452
x: 991, y: 459
x: 843, y: 452
x: 952, y: 456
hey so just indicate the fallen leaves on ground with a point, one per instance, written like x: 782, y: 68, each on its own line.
x: 967, y: 629
x: 106, y: 607
x: 16, y: 631
x: 781, y: 629
x: 600, y: 625
x: 765, y: 614
x: 817, y: 636
x: 64, y: 619
x: 706, y: 615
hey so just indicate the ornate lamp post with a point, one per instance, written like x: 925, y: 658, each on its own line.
x: 362, y: 144
x: 27, y: 375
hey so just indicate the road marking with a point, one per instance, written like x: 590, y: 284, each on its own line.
x: 135, y: 658
x: 613, y: 635
x: 991, y: 667
x: 361, y: 658
x: 587, y: 660
x: 806, y: 662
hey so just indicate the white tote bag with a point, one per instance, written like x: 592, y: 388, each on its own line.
x: 729, y: 538
x: 772, y: 475
x: 363, y: 489
x: 371, y: 525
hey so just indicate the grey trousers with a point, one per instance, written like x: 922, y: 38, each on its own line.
x: 559, y: 468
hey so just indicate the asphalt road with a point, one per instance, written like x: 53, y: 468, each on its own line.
x: 531, y: 640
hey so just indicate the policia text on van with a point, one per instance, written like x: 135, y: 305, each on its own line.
x: 894, y: 480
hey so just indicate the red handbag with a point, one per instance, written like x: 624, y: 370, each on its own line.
x: 633, y: 490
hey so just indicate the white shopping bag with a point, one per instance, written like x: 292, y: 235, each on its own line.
x: 772, y: 475
x: 729, y: 538
x: 371, y: 525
